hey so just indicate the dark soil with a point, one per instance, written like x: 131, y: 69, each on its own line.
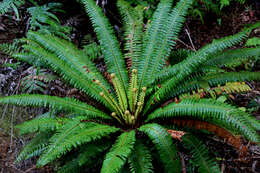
x: 233, y: 20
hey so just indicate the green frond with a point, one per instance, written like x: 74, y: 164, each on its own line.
x: 152, y: 34
x: 176, y: 74
x: 213, y: 81
x: 200, y: 155
x: 108, y: 42
x: 229, y: 87
x: 255, y: 41
x: 71, y: 55
x: 195, y: 59
x: 72, y: 135
x: 118, y: 154
x: 222, y: 78
x: 66, y: 104
x: 165, y: 43
x: 35, y: 147
x: 211, y: 111
x: 92, y: 51
x: 140, y: 160
x: 164, y: 145
x: 6, y: 5
x: 133, y: 26
x: 29, y: 58
x: 10, y: 48
x: 251, y: 120
x: 232, y: 58
x: 71, y: 75
x: 45, y: 21
x: 41, y: 125
x: 87, y: 155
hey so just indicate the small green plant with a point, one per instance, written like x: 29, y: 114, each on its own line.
x: 37, y: 80
x: 43, y: 19
x: 137, y: 128
x: 6, y: 5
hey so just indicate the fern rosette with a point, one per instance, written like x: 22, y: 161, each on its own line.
x: 145, y: 104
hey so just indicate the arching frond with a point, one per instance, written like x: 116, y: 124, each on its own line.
x: 200, y: 155
x: 231, y: 58
x: 87, y: 154
x: 133, y: 26
x: 117, y: 156
x: 152, y: 34
x: 164, y: 145
x: 230, y: 87
x: 6, y: 5
x: 140, y: 160
x: 71, y: 55
x: 109, y: 45
x: 208, y: 110
x: 212, y: 80
x: 36, y: 146
x: 222, y: 78
x: 73, y: 134
x: 66, y: 104
x: 194, y: 60
x: 168, y: 40
x: 71, y: 75
x: 41, y: 125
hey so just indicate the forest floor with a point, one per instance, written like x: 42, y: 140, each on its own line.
x: 194, y: 35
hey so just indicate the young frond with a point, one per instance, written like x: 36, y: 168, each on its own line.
x: 140, y: 160
x: 117, y: 156
x: 210, y: 111
x: 164, y: 145
x: 108, y: 42
x: 73, y: 134
x: 66, y: 104
x: 200, y: 155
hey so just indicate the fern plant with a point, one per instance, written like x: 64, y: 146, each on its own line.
x: 6, y: 5
x: 36, y: 80
x: 43, y: 19
x: 139, y: 126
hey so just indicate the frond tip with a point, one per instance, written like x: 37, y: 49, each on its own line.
x: 116, y: 157
x: 164, y: 144
x: 200, y: 155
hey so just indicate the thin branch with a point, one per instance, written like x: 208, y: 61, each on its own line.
x: 193, y: 47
